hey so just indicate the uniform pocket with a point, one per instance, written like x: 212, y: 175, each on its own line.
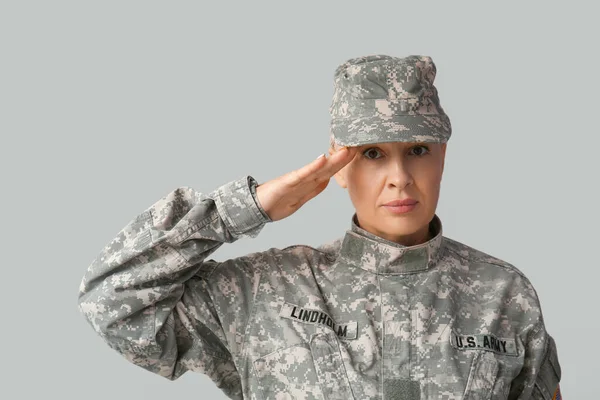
x: 313, y: 371
x: 330, y: 367
x: 287, y: 374
x: 482, y: 376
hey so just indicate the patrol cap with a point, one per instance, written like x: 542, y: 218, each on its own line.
x: 380, y: 98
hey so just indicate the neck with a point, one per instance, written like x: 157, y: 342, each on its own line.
x: 423, y: 235
x: 373, y: 253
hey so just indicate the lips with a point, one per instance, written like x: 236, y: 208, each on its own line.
x: 404, y: 202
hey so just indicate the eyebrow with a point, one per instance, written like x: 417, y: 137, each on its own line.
x: 408, y: 144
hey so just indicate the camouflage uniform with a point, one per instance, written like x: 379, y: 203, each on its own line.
x: 358, y: 318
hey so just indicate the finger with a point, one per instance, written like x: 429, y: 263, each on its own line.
x: 302, y: 174
x: 337, y: 161
x: 322, y: 167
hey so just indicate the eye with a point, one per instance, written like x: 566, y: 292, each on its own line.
x: 370, y: 150
x: 423, y: 152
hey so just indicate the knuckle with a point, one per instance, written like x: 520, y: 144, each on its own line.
x: 293, y: 177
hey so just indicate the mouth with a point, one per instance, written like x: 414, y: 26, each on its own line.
x: 399, y: 203
x: 407, y: 207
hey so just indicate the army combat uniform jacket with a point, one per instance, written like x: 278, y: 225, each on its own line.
x: 358, y: 318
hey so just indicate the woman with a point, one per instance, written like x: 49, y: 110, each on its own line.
x: 390, y: 310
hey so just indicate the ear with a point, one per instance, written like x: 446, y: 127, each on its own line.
x: 443, y: 155
x: 339, y: 177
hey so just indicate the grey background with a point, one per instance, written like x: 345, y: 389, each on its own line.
x: 108, y: 106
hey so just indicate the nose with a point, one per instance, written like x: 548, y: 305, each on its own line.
x: 399, y: 175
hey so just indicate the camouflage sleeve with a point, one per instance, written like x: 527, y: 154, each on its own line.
x: 539, y: 379
x: 146, y: 293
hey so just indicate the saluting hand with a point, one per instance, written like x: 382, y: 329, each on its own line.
x: 282, y: 196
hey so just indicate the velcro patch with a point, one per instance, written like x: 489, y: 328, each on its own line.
x: 486, y: 341
x: 347, y: 330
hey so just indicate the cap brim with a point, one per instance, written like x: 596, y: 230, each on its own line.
x: 400, y: 128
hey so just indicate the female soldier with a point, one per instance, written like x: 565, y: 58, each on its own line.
x: 392, y: 309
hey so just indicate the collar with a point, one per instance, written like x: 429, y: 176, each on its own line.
x: 378, y: 255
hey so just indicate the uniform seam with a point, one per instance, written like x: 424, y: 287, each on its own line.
x: 329, y: 255
x: 510, y: 269
x: 259, y: 218
x: 228, y: 355
x: 255, y: 219
x: 347, y: 378
x: 215, y: 353
x: 178, y: 239
x: 504, y: 266
x: 262, y: 213
x: 345, y: 371
x: 208, y: 275
x: 472, y: 371
x: 221, y: 205
x: 382, y: 333
x: 547, y: 394
x: 542, y: 390
x: 312, y: 272
x: 282, y: 349
x: 251, y: 315
x: 449, y: 248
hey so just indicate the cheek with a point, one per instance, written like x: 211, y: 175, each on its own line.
x: 429, y: 186
x: 363, y: 187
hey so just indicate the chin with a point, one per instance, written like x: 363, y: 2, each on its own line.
x: 402, y: 224
x: 400, y: 228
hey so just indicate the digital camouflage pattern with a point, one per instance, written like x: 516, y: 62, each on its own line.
x: 357, y: 318
x: 380, y: 98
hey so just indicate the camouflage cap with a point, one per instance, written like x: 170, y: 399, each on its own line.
x: 380, y: 98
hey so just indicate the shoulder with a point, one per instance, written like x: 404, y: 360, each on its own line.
x: 279, y: 259
x: 477, y: 258
x: 489, y: 270
x: 494, y: 284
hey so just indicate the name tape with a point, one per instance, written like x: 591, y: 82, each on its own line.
x: 488, y: 342
x: 346, y: 330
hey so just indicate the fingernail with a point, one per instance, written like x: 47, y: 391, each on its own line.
x: 322, y: 155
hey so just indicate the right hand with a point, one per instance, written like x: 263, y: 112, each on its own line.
x: 282, y: 196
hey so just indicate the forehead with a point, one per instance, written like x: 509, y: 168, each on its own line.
x: 396, y: 145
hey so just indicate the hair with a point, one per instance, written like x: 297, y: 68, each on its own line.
x: 332, y: 145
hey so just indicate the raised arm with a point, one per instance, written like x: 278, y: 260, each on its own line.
x: 132, y: 294
x: 153, y: 296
